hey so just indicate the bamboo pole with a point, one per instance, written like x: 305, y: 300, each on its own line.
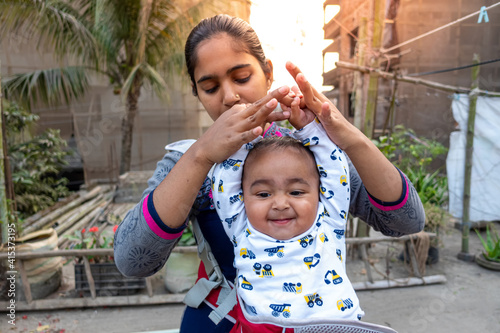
x: 469, y: 147
x: 358, y: 77
x: 4, y: 209
x: 47, y: 219
x: 402, y: 78
x: 371, y: 101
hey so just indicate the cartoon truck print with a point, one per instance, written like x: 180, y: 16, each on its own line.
x: 307, y: 240
x: 322, y: 171
x: 311, y: 142
x: 292, y: 287
x: 220, y: 188
x: 339, y: 233
x: 312, y: 261
x: 313, y: 298
x: 231, y: 163
x: 327, y: 193
x: 281, y: 308
x: 230, y: 220
x: 339, y: 254
x: 263, y: 272
x: 246, y: 253
x: 343, y: 180
x: 245, y: 284
x: 278, y: 250
x: 343, y: 304
x: 335, y: 279
x: 323, y: 238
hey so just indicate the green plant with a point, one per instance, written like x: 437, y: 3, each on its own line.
x: 35, y: 162
x: 92, y: 239
x: 413, y: 155
x: 187, y: 238
x: 491, y: 245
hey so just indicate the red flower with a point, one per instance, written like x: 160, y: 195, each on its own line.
x: 94, y: 229
x: 83, y: 230
x: 114, y: 228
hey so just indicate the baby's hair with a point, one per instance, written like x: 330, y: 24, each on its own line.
x: 242, y: 33
x: 279, y: 143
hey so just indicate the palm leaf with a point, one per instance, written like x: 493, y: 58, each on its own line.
x: 50, y: 86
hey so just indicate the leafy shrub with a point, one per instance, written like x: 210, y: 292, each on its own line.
x: 35, y: 162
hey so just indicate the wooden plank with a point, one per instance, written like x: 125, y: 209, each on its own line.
x: 64, y: 303
x: 398, y: 283
x: 90, y: 278
x: 149, y: 286
x: 25, y: 281
x: 80, y: 253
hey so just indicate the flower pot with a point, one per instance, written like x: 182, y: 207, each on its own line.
x: 181, y: 271
x: 107, y: 279
x: 489, y: 264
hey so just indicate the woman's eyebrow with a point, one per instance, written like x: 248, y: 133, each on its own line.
x: 229, y: 71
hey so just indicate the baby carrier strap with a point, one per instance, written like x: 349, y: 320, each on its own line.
x: 199, y: 292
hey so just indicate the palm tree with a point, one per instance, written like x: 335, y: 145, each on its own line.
x: 132, y: 42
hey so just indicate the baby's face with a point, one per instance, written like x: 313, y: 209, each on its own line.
x: 281, y: 192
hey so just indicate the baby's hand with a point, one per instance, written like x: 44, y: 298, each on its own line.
x: 300, y: 116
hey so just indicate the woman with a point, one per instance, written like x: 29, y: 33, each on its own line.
x: 231, y: 78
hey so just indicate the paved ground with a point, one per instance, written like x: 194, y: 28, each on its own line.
x: 468, y: 302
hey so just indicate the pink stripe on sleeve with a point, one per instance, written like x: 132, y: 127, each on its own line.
x: 389, y: 208
x: 152, y: 224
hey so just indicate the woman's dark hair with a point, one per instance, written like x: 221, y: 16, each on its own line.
x: 235, y: 27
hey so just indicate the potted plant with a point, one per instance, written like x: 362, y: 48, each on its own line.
x: 490, y: 257
x: 107, y: 278
x: 181, y: 269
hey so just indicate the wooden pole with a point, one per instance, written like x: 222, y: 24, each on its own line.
x: 469, y: 147
x: 426, y: 83
x: 371, y: 102
x: 358, y: 77
x: 4, y: 209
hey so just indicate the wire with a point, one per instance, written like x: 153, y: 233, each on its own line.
x: 437, y: 29
x: 454, y: 69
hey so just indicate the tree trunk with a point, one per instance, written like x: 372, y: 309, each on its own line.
x: 128, y: 125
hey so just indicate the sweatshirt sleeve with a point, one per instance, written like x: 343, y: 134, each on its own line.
x: 142, y: 242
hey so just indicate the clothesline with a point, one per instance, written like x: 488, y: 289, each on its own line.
x: 437, y: 29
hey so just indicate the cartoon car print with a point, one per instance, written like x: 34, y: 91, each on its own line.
x: 305, y: 241
x: 322, y: 171
x: 312, y: 261
x: 343, y: 180
x: 281, y: 308
x: 278, y: 250
x: 327, y: 193
x: 335, y: 279
x: 231, y: 163
x: 230, y: 220
x: 343, y: 304
x: 245, y: 284
x: 323, y: 238
x: 263, y: 272
x: 292, y: 287
x: 311, y: 142
x: 246, y: 253
x: 339, y: 254
x: 313, y: 298
x: 343, y: 214
x: 220, y: 188
x: 339, y: 233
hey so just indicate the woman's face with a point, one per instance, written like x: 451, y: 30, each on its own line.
x: 225, y: 76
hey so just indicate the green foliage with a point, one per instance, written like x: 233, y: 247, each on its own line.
x: 413, y: 155
x: 187, y: 238
x: 35, y: 161
x: 92, y: 239
x: 492, y: 243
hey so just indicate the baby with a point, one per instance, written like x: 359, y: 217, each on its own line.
x: 283, y: 202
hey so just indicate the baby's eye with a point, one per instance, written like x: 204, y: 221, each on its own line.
x: 296, y: 193
x: 263, y: 195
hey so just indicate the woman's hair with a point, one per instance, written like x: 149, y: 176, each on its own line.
x: 242, y: 33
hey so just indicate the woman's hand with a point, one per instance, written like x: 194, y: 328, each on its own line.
x: 239, y: 125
